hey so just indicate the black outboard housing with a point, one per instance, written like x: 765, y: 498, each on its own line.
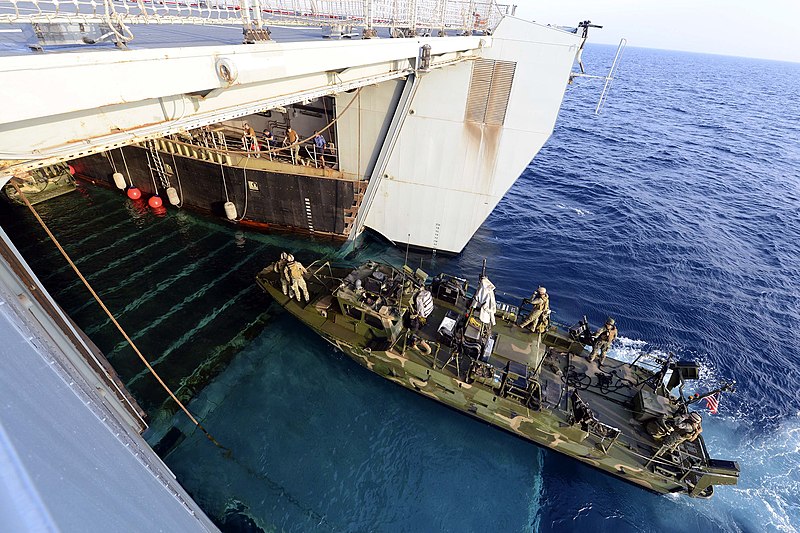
x: 580, y: 332
x: 683, y: 371
x: 449, y: 288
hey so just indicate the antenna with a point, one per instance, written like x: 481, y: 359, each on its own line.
x: 406, y: 271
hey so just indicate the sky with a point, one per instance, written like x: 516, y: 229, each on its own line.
x: 767, y: 29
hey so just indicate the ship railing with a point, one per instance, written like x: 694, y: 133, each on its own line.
x: 679, y: 464
x: 605, y: 435
x: 317, y: 271
x: 401, y: 17
x: 218, y: 146
x: 280, y: 150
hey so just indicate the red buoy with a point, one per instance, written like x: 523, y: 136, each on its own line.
x: 134, y: 193
x: 71, y: 170
x: 155, y: 201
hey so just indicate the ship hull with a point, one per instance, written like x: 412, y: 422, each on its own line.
x: 263, y: 199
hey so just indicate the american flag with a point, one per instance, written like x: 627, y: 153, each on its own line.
x: 712, y: 402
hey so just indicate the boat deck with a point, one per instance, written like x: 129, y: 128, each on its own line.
x: 616, y: 434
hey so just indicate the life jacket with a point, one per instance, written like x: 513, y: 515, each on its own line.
x: 607, y: 334
x: 295, y: 270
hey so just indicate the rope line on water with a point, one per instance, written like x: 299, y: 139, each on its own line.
x: 114, y: 320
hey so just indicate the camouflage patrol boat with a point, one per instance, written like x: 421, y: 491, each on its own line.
x: 466, y: 351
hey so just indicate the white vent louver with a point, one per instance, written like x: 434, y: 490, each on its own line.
x: 489, y: 90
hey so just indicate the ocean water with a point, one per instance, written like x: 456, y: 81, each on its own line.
x: 677, y: 211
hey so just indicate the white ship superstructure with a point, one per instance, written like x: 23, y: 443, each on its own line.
x: 466, y: 134
x: 431, y: 127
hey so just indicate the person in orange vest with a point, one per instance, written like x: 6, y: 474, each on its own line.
x: 249, y: 140
x: 292, y: 139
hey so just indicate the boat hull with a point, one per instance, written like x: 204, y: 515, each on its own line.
x: 546, y: 425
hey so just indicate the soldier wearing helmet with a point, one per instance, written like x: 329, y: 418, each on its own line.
x: 686, y: 427
x: 541, y: 303
x: 280, y: 266
x: 293, y: 272
x: 602, y: 340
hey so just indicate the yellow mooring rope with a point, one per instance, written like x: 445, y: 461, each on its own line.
x: 114, y: 320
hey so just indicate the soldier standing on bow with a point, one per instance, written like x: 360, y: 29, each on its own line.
x: 541, y: 303
x: 602, y: 340
x: 280, y: 265
x: 293, y: 272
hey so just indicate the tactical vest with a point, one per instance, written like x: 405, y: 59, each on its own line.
x: 608, y: 334
x: 295, y: 270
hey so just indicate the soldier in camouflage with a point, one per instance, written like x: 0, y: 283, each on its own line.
x: 541, y: 303
x: 603, y: 338
x: 418, y: 315
x: 280, y: 265
x: 686, y: 428
x: 293, y: 272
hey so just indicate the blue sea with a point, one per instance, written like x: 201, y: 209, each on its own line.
x: 677, y: 211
